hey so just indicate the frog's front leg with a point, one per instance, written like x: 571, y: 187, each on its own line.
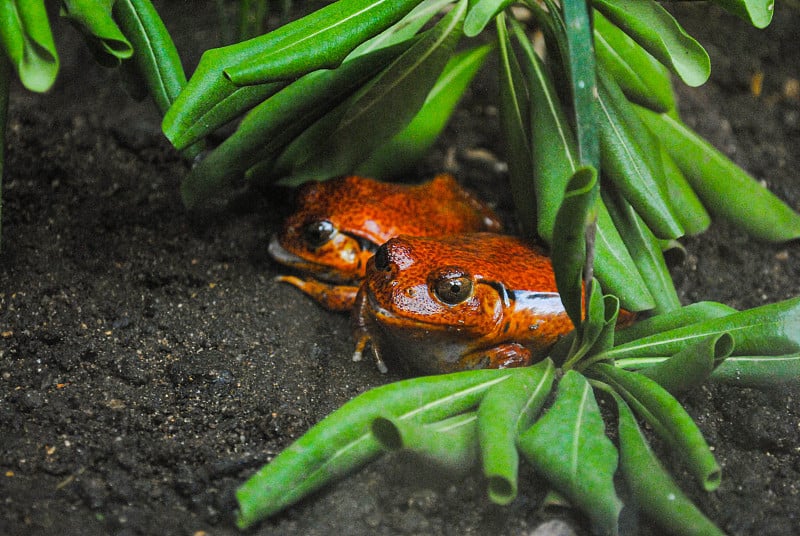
x: 506, y: 355
x: 340, y: 298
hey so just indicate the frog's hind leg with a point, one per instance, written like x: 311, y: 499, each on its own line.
x: 506, y: 355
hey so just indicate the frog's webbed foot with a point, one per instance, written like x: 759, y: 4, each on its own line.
x: 361, y: 343
x: 506, y: 355
x: 339, y: 298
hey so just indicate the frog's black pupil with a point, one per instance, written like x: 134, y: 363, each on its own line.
x: 382, y: 259
x: 318, y: 233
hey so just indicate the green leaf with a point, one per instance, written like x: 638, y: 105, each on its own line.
x: 726, y: 189
x: 409, y: 145
x: 364, y: 123
x: 342, y: 441
x: 577, y: 212
x: 614, y: 266
x: 569, y: 447
x: 94, y: 20
x: 759, y: 371
x: 580, y: 63
x: 271, y: 125
x: 691, y: 366
x: 772, y: 329
x: 554, y: 160
x: 28, y: 42
x: 632, y: 161
x: 554, y: 155
x: 507, y: 409
x: 320, y: 40
x: 756, y: 12
x: 668, y: 418
x: 403, y: 30
x: 480, y: 13
x: 643, y: 79
x: 654, y: 492
x: 452, y: 443
x: 690, y: 212
x: 645, y: 250
x: 514, y: 114
x: 659, y: 33
x: 155, y: 53
x: 211, y: 99
x: 684, y: 316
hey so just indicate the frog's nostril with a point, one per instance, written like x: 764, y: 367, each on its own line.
x: 382, y: 259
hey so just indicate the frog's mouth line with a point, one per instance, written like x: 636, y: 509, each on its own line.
x: 319, y: 271
x: 380, y: 311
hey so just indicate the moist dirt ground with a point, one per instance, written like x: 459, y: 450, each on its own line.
x: 149, y: 364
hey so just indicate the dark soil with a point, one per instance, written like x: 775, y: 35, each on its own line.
x: 150, y: 364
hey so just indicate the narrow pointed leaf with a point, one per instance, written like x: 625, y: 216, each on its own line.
x: 403, y: 30
x: 690, y: 212
x: 614, y: 267
x: 580, y: 62
x: 756, y: 12
x: 653, y: 490
x: 320, y: 40
x: 452, y: 443
x: 726, y: 189
x: 514, y: 114
x: 481, y: 13
x: 211, y: 99
x: 554, y: 153
x: 408, y: 146
x: 577, y: 212
x: 569, y: 447
x: 772, y: 329
x: 28, y: 42
x: 632, y: 162
x: 342, y: 441
x: 691, y: 366
x: 759, y: 371
x: 646, y: 253
x: 665, y: 414
x: 659, y: 33
x: 94, y: 19
x: 642, y: 78
x: 155, y: 53
x: 274, y: 123
x: 554, y: 160
x: 689, y: 314
x: 508, y: 409
x: 402, y: 88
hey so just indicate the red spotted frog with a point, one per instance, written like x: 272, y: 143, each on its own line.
x: 459, y: 302
x: 340, y: 223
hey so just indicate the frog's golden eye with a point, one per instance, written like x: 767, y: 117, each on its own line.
x: 317, y: 233
x: 453, y: 289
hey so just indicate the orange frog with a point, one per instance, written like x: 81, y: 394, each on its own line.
x: 340, y: 223
x: 460, y: 302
